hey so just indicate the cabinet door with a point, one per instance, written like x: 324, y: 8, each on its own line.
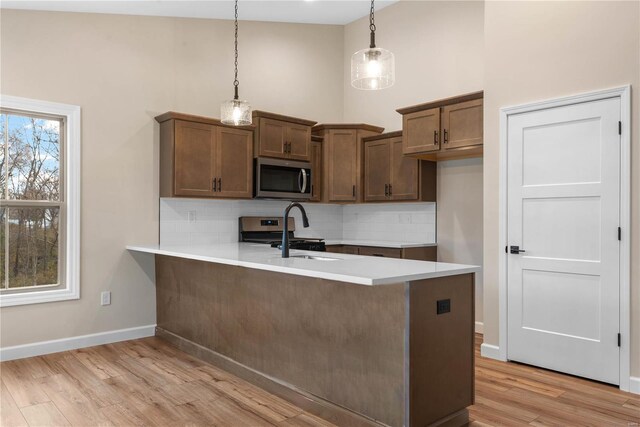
x: 377, y: 169
x: 316, y: 171
x: 299, y: 140
x: 404, y: 173
x: 343, y: 165
x: 194, y: 159
x: 272, y: 136
x: 421, y: 131
x: 462, y: 125
x: 234, y: 163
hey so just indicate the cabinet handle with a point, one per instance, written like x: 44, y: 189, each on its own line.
x: 435, y: 137
x: 446, y: 137
x: 386, y: 190
x: 219, y: 184
x: 213, y: 185
x: 377, y: 255
x: 353, y: 191
x: 390, y: 191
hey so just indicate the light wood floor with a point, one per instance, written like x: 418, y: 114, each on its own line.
x: 149, y: 382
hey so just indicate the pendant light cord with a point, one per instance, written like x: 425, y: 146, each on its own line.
x: 372, y: 27
x: 235, y: 81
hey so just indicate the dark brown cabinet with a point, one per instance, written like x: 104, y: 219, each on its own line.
x: 282, y: 137
x: 342, y: 155
x: 389, y: 175
x: 201, y: 157
x: 316, y: 169
x: 445, y: 129
x: 420, y: 253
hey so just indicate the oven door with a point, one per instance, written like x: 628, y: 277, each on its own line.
x: 282, y: 179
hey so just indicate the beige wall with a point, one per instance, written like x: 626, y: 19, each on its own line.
x: 540, y: 50
x: 438, y: 47
x: 122, y: 71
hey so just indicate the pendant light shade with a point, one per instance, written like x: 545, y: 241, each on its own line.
x: 235, y: 112
x: 373, y: 68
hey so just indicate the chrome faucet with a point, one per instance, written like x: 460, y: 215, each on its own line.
x: 285, y: 229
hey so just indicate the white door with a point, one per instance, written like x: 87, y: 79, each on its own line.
x: 563, y: 213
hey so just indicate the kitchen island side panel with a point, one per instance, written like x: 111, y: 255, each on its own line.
x: 339, y: 341
x: 441, y: 356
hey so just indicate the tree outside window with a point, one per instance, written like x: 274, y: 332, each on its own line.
x: 31, y: 200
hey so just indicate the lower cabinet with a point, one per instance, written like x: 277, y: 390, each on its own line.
x: 420, y: 253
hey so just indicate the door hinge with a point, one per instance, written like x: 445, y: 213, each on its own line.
x: 619, y: 233
x: 619, y: 128
x: 619, y: 340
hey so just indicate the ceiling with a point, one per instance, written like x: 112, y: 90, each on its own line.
x: 300, y: 11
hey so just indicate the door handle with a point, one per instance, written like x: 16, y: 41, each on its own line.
x: 213, y: 185
x: 302, y: 187
x: 435, y: 137
x: 515, y: 250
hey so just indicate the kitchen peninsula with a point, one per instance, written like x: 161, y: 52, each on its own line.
x: 362, y: 340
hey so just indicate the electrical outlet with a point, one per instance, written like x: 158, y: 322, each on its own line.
x: 191, y: 216
x: 105, y: 298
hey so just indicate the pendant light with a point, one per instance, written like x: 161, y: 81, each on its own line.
x: 235, y: 112
x: 373, y: 68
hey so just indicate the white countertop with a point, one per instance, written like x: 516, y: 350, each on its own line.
x: 378, y: 243
x: 357, y: 269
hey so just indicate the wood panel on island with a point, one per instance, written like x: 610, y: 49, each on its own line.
x: 342, y: 160
x: 201, y: 157
x: 282, y: 137
x: 390, y: 176
x: 446, y: 129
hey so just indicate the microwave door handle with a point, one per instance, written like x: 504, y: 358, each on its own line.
x: 304, y: 180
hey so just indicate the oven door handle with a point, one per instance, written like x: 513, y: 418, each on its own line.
x: 303, y: 187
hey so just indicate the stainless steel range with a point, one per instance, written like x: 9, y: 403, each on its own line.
x: 268, y: 230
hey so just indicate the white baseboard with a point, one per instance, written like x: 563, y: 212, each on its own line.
x: 634, y: 385
x: 490, y: 351
x: 479, y: 328
x: 72, y: 343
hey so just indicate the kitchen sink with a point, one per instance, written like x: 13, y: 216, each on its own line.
x: 316, y: 257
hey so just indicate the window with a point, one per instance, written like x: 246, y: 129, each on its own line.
x: 39, y: 201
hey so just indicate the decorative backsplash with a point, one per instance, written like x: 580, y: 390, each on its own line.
x: 201, y: 222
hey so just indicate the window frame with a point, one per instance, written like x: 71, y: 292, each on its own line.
x: 69, y: 269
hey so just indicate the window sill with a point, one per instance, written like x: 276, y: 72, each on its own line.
x: 37, y: 297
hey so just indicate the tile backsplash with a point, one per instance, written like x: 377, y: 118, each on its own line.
x: 198, y: 222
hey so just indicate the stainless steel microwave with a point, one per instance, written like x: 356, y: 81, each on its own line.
x: 282, y: 179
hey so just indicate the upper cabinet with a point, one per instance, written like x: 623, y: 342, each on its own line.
x: 201, y: 157
x: 282, y: 137
x: 389, y: 175
x: 342, y: 159
x: 445, y: 129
